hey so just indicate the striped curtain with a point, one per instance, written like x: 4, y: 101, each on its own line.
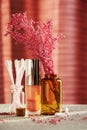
x: 70, y: 56
x: 73, y: 50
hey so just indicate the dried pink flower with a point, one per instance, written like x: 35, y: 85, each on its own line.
x: 36, y: 36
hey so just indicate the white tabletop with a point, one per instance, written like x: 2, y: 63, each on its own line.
x: 76, y: 119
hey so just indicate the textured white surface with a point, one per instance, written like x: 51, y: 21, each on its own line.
x: 76, y: 121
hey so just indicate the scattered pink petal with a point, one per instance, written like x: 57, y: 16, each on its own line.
x: 71, y: 119
x: 2, y: 120
x: 84, y: 118
x: 53, y: 121
x: 6, y: 113
x: 39, y: 121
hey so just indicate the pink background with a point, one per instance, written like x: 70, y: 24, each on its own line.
x: 70, y: 56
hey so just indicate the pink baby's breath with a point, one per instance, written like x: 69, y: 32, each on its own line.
x: 36, y: 36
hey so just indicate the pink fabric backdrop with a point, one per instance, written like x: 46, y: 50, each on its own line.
x: 70, y: 56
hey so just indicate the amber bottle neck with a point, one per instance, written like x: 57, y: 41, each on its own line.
x: 50, y: 75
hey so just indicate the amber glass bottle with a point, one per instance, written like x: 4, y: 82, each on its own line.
x: 51, y: 94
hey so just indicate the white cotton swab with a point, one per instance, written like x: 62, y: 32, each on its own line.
x: 8, y: 64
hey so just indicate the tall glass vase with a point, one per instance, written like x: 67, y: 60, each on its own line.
x: 51, y: 94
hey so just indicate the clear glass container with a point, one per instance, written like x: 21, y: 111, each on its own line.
x: 32, y: 87
x: 19, y: 96
x: 17, y: 100
x: 51, y: 94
